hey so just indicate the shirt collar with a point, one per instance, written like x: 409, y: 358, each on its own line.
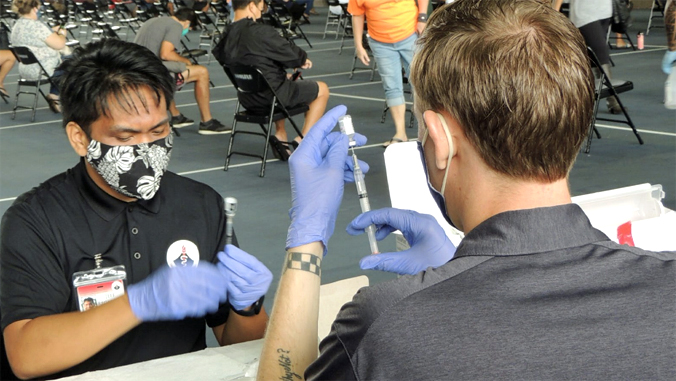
x: 531, y: 231
x: 105, y: 205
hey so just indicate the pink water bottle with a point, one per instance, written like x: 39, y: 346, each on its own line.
x: 639, y: 40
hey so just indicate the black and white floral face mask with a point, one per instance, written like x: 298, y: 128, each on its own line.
x: 134, y: 171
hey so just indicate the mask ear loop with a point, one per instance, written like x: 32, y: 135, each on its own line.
x: 451, y: 151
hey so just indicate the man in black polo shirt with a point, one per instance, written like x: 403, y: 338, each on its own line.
x: 117, y: 230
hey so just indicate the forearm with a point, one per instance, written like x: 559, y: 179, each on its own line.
x: 239, y: 329
x: 557, y: 4
x: 291, y: 340
x: 49, y: 344
x: 423, y: 5
x: 358, y: 30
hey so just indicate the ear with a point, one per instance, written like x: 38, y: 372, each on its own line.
x: 439, y: 134
x: 77, y: 137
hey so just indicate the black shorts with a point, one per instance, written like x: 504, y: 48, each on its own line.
x: 304, y: 93
x: 291, y: 94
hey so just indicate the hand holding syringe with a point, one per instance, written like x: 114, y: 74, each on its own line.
x: 346, y: 127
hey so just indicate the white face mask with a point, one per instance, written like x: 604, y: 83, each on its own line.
x: 134, y: 171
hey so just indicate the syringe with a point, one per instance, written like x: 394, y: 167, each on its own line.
x: 346, y: 127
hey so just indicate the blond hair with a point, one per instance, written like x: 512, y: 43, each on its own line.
x: 516, y: 76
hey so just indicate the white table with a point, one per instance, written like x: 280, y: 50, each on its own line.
x: 232, y: 362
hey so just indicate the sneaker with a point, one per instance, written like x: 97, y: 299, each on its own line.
x: 213, y: 127
x: 180, y: 121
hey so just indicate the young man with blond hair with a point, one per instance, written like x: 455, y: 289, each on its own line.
x: 504, y: 93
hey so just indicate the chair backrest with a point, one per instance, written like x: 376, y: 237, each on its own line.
x: 24, y: 55
x: 247, y: 79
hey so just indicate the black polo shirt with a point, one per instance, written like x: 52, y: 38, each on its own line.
x: 56, y: 229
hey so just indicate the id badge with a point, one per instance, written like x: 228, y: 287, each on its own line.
x: 98, y: 286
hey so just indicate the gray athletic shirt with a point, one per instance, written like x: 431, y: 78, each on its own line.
x: 535, y: 294
x: 582, y: 12
x: 159, y: 29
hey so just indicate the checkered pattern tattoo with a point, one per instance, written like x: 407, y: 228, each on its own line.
x: 305, y: 262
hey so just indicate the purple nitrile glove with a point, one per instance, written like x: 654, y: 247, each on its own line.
x: 430, y: 247
x: 249, y: 279
x: 319, y: 169
x: 179, y: 292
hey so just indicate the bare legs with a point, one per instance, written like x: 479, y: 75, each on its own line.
x: 200, y: 75
x: 399, y: 116
x: 317, y: 108
x: 7, y: 61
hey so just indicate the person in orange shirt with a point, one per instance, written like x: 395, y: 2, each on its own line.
x: 393, y: 28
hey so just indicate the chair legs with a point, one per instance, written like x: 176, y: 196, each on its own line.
x: 372, y: 69
x: 35, y: 94
x: 267, y: 133
x: 267, y: 140
x: 232, y: 138
x: 16, y: 99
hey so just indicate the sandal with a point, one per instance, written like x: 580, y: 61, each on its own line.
x: 4, y: 94
x: 279, y: 149
x: 54, y: 105
x: 392, y: 141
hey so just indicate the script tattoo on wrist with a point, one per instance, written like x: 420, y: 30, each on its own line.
x: 285, y: 362
x: 304, y: 262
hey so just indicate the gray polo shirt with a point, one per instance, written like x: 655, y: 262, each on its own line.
x: 533, y: 294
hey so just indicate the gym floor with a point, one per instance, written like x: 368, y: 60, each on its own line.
x: 33, y: 152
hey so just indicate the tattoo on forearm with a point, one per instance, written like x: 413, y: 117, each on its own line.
x: 285, y: 362
x: 305, y: 262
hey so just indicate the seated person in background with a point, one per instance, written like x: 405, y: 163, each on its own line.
x: 43, y: 41
x: 248, y: 42
x: 162, y: 35
x: 533, y: 292
x: 120, y: 208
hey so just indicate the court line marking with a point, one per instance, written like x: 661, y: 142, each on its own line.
x: 213, y: 88
x: 650, y: 132
x: 638, y: 51
x: 179, y: 105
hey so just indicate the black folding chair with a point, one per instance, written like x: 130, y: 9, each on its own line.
x: 248, y: 79
x: 222, y: 13
x: 333, y: 19
x: 25, y: 56
x: 281, y: 18
x: 364, y: 43
x: 605, y: 88
x: 657, y: 5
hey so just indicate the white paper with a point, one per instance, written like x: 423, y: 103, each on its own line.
x: 408, y: 185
